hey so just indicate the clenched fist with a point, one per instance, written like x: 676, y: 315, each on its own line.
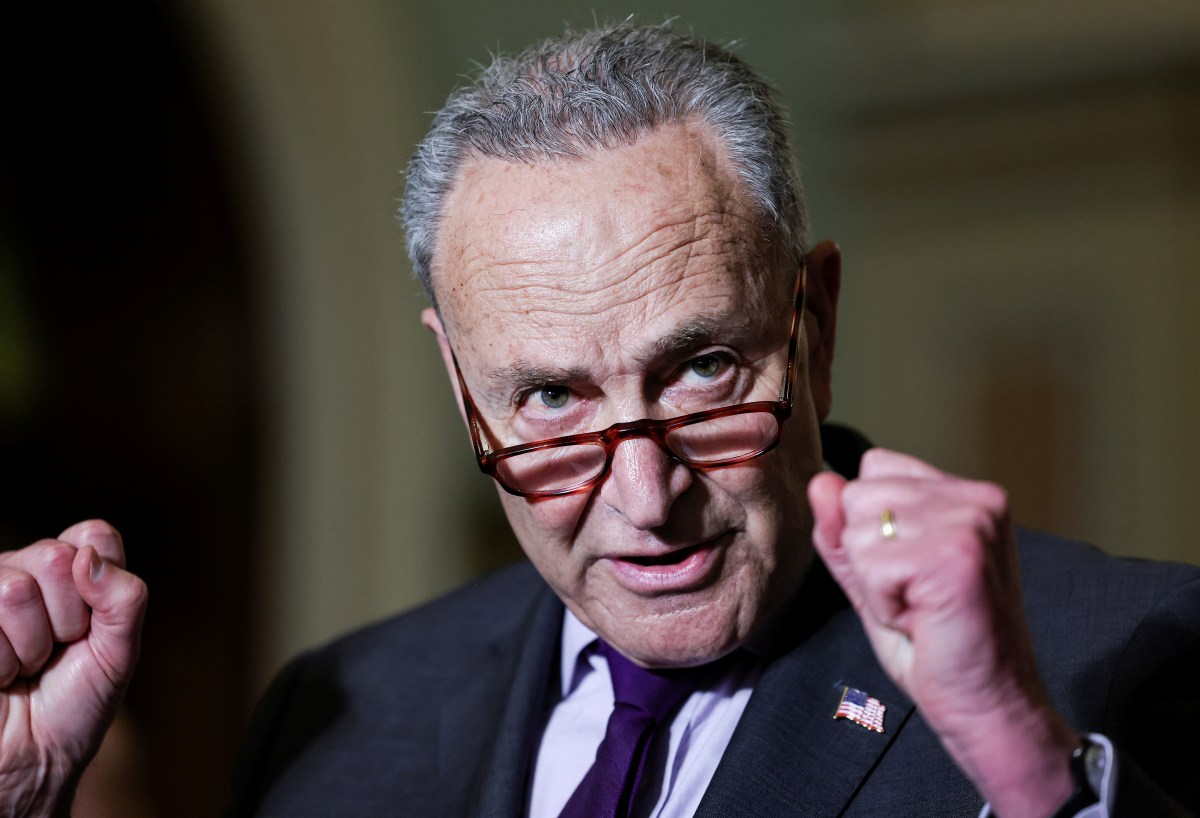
x: 929, y: 562
x: 70, y: 625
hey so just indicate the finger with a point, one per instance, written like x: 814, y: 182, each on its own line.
x: 922, y: 508
x: 886, y: 542
x: 23, y: 620
x: 825, y: 498
x: 864, y: 501
x: 118, y: 602
x: 49, y: 562
x: 10, y: 665
x: 886, y: 463
x: 878, y: 578
x: 937, y: 556
x: 99, y: 535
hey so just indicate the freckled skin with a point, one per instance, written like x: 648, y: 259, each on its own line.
x: 585, y: 264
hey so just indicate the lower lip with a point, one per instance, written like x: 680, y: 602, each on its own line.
x: 692, y: 572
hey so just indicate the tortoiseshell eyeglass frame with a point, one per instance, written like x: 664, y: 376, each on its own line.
x: 656, y: 430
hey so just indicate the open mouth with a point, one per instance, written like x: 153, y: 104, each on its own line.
x: 672, y: 558
x: 679, y: 571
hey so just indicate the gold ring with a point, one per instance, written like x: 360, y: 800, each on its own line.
x: 887, y: 524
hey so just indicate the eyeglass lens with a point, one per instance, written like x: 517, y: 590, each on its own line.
x: 710, y: 441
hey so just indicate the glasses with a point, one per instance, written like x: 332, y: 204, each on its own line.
x: 712, y: 439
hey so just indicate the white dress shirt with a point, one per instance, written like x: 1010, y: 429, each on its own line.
x: 681, y: 762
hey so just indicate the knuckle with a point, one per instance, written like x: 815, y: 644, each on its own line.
x: 141, y: 592
x: 980, y: 522
x: 97, y: 528
x: 18, y: 589
x: 856, y: 494
x: 871, y: 461
x: 991, y: 496
x: 983, y: 524
x: 137, y: 595
x: 55, y: 558
x: 38, y: 555
x: 961, y: 550
x: 43, y: 544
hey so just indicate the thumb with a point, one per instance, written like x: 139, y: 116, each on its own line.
x: 101, y: 536
x: 118, y: 602
x: 825, y: 498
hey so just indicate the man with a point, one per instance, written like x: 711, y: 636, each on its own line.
x: 640, y: 338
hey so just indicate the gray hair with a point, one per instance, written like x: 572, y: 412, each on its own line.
x: 598, y: 89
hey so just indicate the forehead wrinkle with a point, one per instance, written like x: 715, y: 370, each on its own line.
x: 697, y: 240
x: 691, y: 227
x: 553, y: 273
x: 540, y: 294
x: 632, y: 271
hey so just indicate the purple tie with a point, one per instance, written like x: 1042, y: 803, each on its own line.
x: 642, y: 698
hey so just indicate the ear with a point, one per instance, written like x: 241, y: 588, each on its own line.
x: 433, y: 323
x: 820, y: 325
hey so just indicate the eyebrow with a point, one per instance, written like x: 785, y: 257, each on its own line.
x: 522, y: 373
x: 728, y: 327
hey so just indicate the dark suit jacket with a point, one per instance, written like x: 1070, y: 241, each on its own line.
x: 438, y: 712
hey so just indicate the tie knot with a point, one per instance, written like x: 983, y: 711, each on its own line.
x: 654, y: 692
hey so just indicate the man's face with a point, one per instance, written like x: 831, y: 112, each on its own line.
x: 635, y: 283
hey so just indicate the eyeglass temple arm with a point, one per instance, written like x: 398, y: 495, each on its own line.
x: 469, y: 411
x: 785, y: 390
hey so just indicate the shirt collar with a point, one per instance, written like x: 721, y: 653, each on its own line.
x: 578, y: 641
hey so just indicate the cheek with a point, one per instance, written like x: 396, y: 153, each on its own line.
x: 765, y: 486
x: 545, y: 528
x: 771, y: 495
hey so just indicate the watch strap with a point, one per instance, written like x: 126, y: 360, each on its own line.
x: 1087, y: 762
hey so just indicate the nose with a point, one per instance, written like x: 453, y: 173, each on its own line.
x: 644, y: 483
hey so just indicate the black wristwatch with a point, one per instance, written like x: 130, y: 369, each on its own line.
x: 1087, y: 768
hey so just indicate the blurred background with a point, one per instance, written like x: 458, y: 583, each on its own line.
x: 209, y: 336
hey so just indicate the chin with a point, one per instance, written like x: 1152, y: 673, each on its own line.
x: 688, y: 636
x: 681, y: 652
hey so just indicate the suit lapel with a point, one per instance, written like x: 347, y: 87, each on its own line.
x: 491, y: 719
x: 789, y: 756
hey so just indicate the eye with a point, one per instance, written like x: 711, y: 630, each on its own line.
x: 707, y: 366
x: 553, y: 397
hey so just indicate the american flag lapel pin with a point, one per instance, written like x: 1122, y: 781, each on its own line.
x: 861, y: 709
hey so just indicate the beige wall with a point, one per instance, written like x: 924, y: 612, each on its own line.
x: 1021, y: 186
x: 1014, y: 189
x: 361, y: 514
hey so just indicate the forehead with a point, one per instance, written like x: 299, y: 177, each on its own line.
x: 601, y: 252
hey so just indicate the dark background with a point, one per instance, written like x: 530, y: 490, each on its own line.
x: 126, y: 259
